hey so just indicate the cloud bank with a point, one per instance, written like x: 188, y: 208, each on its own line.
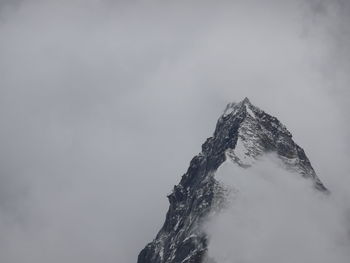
x: 277, y: 216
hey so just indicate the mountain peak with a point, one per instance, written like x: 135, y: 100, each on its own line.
x: 242, y: 135
x: 244, y: 105
x: 246, y: 100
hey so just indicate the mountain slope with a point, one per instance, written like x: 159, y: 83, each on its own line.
x: 243, y: 133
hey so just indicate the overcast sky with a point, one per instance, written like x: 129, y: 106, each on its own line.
x: 104, y: 103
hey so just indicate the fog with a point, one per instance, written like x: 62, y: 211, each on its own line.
x: 103, y: 104
x: 273, y: 215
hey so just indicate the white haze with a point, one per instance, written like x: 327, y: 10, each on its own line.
x: 277, y: 216
x: 103, y: 104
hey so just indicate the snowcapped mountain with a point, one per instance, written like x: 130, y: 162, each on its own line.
x: 243, y: 134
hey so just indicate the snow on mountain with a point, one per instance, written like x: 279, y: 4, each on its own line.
x: 244, y: 134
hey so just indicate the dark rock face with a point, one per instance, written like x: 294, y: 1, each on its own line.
x: 243, y: 133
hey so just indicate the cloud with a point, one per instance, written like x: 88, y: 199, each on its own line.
x: 274, y: 215
x: 104, y: 103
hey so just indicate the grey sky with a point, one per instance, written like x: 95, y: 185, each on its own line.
x: 104, y: 103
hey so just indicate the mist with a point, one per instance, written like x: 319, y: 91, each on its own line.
x: 273, y: 215
x: 104, y: 103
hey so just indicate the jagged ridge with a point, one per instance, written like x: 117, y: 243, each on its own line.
x: 243, y: 133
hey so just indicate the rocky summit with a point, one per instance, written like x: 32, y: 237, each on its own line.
x: 243, y: 133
